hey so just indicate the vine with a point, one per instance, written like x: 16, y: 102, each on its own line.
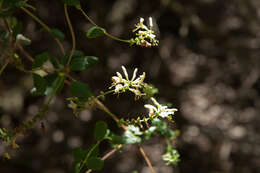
x: 50, y: 74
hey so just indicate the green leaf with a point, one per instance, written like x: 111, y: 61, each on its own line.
x: 100, y: 131
x: 74, y: 3
x: 95, y: 163
x: 79, y: 154
x: 91, y: 61
x: 76, y: 167
x: 78, y: 64
x: 55, y: 62
x: 95, y: 32
x: 21, y: 4
x: 79, y: 89
x: 56, y: 33
x: 54, y: 84
x: 76, y: 54
x: 40, y: 60
x: 149, y: 132
x: 115, y: 139
x: 40, y: 84
x: 83, y: 63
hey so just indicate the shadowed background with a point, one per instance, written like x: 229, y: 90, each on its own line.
x: 207, y: 65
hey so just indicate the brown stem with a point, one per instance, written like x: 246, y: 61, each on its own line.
x: 26, y: 54
x: 7, y: 26
x: 146, y: 158
x: 110, y: 153
x: 72, y: 33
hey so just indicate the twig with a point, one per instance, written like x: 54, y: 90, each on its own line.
x: 106, y: 33
x: 45, y: 27
x: 107, y: 155
x: 3, y: 67
x: 72, y: 33
x: 146, y: 158
x: 27, y: 55
x: 87, y: 17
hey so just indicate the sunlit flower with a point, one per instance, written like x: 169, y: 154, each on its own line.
x: 159, y: 110
x: 145, y: 36
x: 122, y: 84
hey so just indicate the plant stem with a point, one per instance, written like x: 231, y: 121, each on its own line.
x: 88, y: 18
x: 87, y: 156
x: 45, y: 27
x: 72, y: 33
x: 103, y: 94
x: 146, y: 158
x: 27, y: 55
x: 107, y: 155
x: 3, y: 67
x: 105, y: 109
x: 116, y: 38
x: 34, y: 120
x: 106, y: 33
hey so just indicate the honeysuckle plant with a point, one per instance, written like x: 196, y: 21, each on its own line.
x: 145, y: 36
x: 50, y: 73
x: 123, y: 84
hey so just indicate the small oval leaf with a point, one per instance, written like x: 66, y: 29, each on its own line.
x: 79, y: 89
x: 95, y: 163
x: 95, y: 32
x: 56, y: 33
x: 83, y: 63
x: 100, y: 130
x: 40, y: 84
x: 78, y: 64
x: 40, y: 60
x: 74, y: 3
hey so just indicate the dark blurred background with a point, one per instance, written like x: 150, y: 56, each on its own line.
x: 207, y: 65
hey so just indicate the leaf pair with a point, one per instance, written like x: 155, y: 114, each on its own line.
x: 79, y: 61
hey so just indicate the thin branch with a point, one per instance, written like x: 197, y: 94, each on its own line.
x: 7, y: 26
x: 105, y: 109
x: 106, y: 33
x: 146, y: 158
x: 72, y: 33
x: 27, y: 55
x: 3, y: 67
x: 110, y: 153
x: 45, y: 27
x: 31, y: 123
x: 87, y: 17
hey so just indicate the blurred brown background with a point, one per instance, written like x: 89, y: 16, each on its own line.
x: 207, y: 65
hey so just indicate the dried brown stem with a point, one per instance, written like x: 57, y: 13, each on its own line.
x: 146, y: 158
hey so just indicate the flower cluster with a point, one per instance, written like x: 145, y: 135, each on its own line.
x: 123, y: 84
x: 145, y: 36
x: 171, y: 156
x: 159, y: 110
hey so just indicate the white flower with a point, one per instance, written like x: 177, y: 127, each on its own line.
x: 145, y: 36
x: 159, y: 110
x: 151, y: 22
x: 122, y: 84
